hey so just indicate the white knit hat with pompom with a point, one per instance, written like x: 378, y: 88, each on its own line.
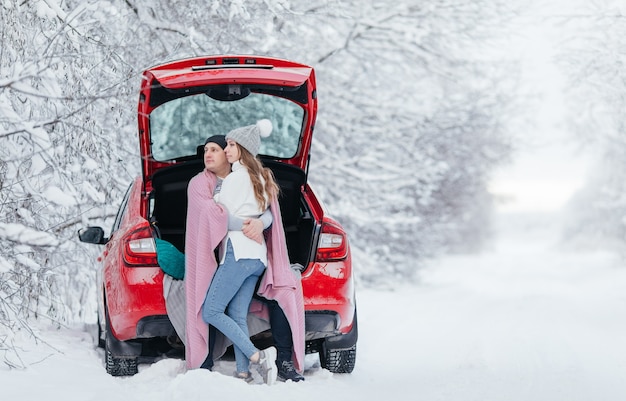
x: 249, y: 137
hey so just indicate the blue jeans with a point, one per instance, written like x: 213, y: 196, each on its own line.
x: 228, y: 300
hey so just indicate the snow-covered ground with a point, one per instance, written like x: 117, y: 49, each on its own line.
x: 526, y: 320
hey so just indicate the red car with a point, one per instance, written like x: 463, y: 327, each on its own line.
x: 181, y: 103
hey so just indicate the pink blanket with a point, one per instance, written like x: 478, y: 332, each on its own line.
x: 207, y: 224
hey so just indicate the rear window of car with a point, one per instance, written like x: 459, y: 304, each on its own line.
x: 179, y: 126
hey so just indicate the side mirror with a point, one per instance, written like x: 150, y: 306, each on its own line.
x: 92, y: 235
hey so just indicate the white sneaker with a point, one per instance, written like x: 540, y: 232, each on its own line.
x: 266, y: 366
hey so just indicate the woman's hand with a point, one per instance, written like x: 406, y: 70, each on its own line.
x: 253, y: 229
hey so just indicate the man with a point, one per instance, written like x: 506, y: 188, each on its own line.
x: 215, y: 162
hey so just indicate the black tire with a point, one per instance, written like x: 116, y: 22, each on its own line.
x: 338, y: 360
x: 120, y: 366
x: 116, y: 366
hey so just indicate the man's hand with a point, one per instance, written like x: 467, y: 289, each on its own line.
x: 253, y: 229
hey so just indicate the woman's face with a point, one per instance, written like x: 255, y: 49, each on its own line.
x: 232, y: 151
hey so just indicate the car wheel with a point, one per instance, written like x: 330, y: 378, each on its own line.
x: 116, y: 366
x: 338, y: 360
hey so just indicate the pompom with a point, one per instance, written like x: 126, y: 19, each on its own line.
x: 265, y: 127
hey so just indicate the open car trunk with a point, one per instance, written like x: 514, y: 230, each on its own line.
x: 168, y: 206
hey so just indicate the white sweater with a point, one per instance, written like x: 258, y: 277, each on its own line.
x: 237, y: 196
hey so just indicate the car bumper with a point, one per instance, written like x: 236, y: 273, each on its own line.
x: 135, y: 304
x: 154, y: 326
x: 329, y: 300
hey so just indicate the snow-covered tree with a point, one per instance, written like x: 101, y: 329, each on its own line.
x: 593, y: 59
x: 412, y: 111
x: 64, y: 128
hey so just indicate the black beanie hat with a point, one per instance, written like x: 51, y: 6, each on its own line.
x: 218, y: 139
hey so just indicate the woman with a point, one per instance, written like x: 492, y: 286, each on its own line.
x: 207, y: 224
x: 246, y: 193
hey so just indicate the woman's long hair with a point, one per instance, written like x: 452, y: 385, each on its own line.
x: 256, y: 171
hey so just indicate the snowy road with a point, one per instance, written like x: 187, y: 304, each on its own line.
x: 527, y: 320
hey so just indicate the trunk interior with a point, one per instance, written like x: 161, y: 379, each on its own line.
x: 168, y: 206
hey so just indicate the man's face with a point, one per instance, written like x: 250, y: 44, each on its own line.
x: 215, y: 158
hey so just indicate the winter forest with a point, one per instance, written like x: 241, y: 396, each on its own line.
x: 420, y: 103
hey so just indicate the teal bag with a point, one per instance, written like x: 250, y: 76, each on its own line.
x: 171, y: 260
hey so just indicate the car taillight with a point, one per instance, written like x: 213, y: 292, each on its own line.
x: 333, y: 243
x: 140, y: 249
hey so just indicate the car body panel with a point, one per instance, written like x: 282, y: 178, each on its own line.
x: 178, y: 79
x: 130, y: 293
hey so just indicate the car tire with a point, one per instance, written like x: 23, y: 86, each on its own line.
x: 116, y: 366
x: 338, y: 354
x: 338, y: 360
